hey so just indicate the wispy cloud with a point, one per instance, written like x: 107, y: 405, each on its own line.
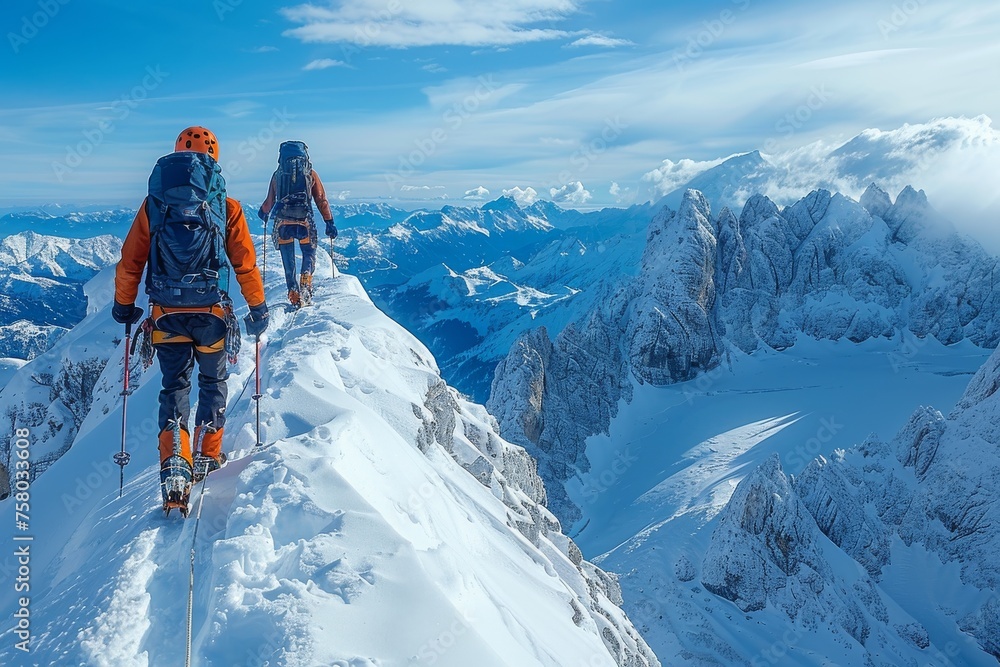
x: 324, y: 63
x: 261, y: 49
x: 239, y: 108
x: 427, y: 23
x: 418, y: 188
x: 434, y: 68
x: 600, y: 40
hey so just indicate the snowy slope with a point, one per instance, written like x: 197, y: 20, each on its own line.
x: 735, y: 546
x: 385, y: 524
x: 51, y: 394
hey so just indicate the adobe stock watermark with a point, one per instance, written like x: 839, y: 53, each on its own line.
x: 900, y: 15
x: 251, y: 147
x: 806, y: 451
x: 908, y: 349
x: 34, y: 23
x: 588, y: 153
x: 452, y: 119
x: 797, y: 118
x: 118, y: 111
x: 21, y: 491
x: 711, y: 31
x: 776, y: 653
x: 433, y: 650
x: 598, y: 484
x: 703, y: 384
x: 223, y: 7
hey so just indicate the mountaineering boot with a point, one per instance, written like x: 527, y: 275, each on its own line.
x: 206, y: 464
x: 306, y: 283
x: 175, y: 484
x: 175, y: 469
x: 209, y: 456
x: 293, y: 298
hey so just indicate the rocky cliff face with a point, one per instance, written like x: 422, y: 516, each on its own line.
x: 932, y: 488
x: 826, y: 267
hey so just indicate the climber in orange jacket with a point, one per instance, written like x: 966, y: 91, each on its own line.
x: 186, y: 258
x: 295, y: 187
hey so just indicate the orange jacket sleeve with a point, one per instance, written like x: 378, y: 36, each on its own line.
x: 268, y: 204
x: 319, y: 196
x: 135, y: 252
x: 242, y: 256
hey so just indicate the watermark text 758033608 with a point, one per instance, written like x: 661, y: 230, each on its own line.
x: 22, y: 540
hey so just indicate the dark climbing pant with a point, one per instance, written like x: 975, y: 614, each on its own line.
x: 184, y: 338
x: 288, y: 233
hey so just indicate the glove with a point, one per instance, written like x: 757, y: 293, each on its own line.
x: 261, y: 214
x: 256, y: 320
x: 126, y: 314
x: 331, y: 229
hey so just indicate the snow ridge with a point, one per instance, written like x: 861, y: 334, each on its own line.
x: 387, y: 524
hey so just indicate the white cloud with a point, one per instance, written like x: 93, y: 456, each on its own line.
x: 262, y: 49
x: 324, y: 63
x: 343, y: 195
x: 434, y: 68
x: 525, y: 197
x: 430, y: 23
x: 622, y: 196
x: 413, y: 188
x: 601, y: 40
x: 860, y: 58
x: 239, y: 108
x: 671, y: 175
x: 571, y: 193
x: 477, y: 194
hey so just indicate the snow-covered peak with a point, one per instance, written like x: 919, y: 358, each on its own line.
x: 876, y: 200
x: 730, y: 183
x: 55, y: 257
x: 504, y: 203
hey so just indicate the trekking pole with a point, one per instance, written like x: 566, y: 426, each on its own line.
x: 257, y: 394
x: 122, y: 457
x: 264, y: 243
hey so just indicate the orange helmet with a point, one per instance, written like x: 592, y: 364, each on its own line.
x: 198, y: 139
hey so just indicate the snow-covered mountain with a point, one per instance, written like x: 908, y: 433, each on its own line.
x: 385, y: 522
x: 74, y: 222
x: 826, y: 267
x: 471, y: 295
x: 41, y: 287
x: 461, y: 236
x: 953, y: 159
x: 877, y: 551
x: 52, y: 394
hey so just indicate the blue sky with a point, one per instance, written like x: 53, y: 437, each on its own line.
x: 407, y: 101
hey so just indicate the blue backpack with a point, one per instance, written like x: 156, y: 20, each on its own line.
x: 293, y: 182
x: 186, y: 207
